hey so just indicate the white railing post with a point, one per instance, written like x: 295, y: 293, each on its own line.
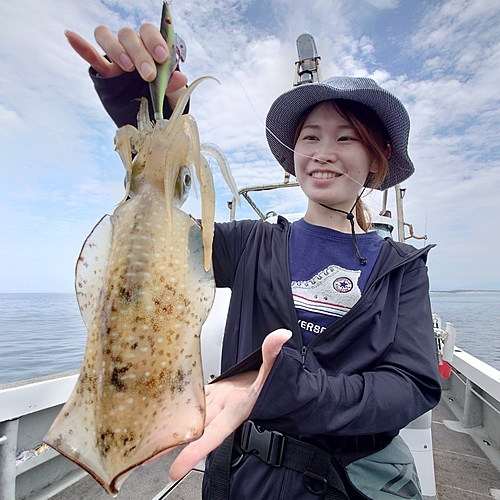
x: 8, y: 448
x: 473, y: 409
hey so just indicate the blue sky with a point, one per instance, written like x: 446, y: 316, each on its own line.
x: 60, y: 173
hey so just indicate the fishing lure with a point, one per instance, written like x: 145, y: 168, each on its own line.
x: 164, y: 71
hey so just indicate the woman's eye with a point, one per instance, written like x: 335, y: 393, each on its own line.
x: 309, y: 138
x: 348, y: 138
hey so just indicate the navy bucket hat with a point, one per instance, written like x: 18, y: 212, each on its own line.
x: 286, y: 111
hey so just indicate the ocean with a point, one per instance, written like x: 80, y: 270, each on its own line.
x: 43, y: 333
x: 476, y: 318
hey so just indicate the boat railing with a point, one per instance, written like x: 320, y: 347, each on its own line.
x: 28, y: 467
x: 472, y: 391
x: 245, y: 193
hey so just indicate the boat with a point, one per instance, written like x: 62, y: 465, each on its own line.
x: 456, y: 446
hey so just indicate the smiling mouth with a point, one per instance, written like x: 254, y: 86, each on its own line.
x: 325, y: 175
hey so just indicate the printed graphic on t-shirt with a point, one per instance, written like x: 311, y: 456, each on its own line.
x: 331, y: 292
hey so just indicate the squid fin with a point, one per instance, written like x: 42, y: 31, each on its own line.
x: 91, y: 267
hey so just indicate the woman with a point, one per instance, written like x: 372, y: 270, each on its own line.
x: 328, y: 348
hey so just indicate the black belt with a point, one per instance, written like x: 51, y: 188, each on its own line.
x: 278, y: 450
x: 270, y: 446
x: 322, y: 473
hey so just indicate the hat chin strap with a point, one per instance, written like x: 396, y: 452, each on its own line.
x: 350, y: 218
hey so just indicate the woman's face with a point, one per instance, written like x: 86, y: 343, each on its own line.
x: 331, y: 164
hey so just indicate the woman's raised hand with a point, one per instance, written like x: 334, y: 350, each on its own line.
x: 126, y: 52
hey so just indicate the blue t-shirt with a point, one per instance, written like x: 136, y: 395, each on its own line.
x: 327, y: 278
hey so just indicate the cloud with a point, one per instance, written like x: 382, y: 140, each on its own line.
x: 384, y: 4
x: 62, y: 173
x: 464, y: 30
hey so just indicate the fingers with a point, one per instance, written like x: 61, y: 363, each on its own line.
x: 154, y: 43
x: 229, y: 404
x: 136, y: 53
x: 272, y: 346
x: 185, y: 461
x: 214, y: 435
x: 87, y: 52
x: 127, y: 52
x: 178, y: 82
x: 130, y: 51
x: 176, y: 87
x: 113, y: 48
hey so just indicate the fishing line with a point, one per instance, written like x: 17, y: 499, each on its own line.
x: 398, y: 218
x: 292, y: 150
x: 230, y: 73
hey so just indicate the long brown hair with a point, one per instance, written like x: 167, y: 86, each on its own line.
x: 372, y: 134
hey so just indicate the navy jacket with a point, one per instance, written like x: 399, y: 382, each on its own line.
x: 371, y: 372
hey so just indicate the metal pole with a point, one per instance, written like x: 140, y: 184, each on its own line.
x: 399, y: 213
x: 8, y: 445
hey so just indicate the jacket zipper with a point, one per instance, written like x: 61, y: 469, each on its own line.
x: 304, y: 351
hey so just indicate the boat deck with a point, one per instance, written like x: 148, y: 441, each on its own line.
x: 464, y: 468
x: 145, y: 483
x: 463, y: 463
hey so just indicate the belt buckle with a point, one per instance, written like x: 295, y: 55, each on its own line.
x: 267, y: 445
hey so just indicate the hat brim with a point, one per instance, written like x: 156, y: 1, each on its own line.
x: 286, y: 111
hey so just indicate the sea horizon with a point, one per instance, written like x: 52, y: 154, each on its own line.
x: 43, y: 332
x: 454, y: 290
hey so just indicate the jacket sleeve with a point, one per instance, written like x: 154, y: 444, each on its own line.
x: 120, y: 96
x: 229, y: 241
x: 402, y: 385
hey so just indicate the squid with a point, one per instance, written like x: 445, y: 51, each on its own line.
x: 145, y: 286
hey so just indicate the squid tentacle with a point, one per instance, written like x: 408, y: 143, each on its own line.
x: 215, y: 152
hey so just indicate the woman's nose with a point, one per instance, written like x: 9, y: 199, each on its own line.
x: 326, y: 153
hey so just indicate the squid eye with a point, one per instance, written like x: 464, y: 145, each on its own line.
x: 187, y: 180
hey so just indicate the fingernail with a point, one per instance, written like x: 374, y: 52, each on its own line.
x: 126, y: 62
x: 146, y: 69
x: 160, y: 53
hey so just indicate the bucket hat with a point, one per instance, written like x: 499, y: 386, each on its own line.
x: 286, y: 111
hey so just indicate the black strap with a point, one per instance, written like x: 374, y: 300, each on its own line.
x: 322, y: 473
x: 319, y: 476
x: 350, y: 218
x: 218, y: 488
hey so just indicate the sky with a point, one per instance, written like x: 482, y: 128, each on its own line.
x: 60, y: 173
